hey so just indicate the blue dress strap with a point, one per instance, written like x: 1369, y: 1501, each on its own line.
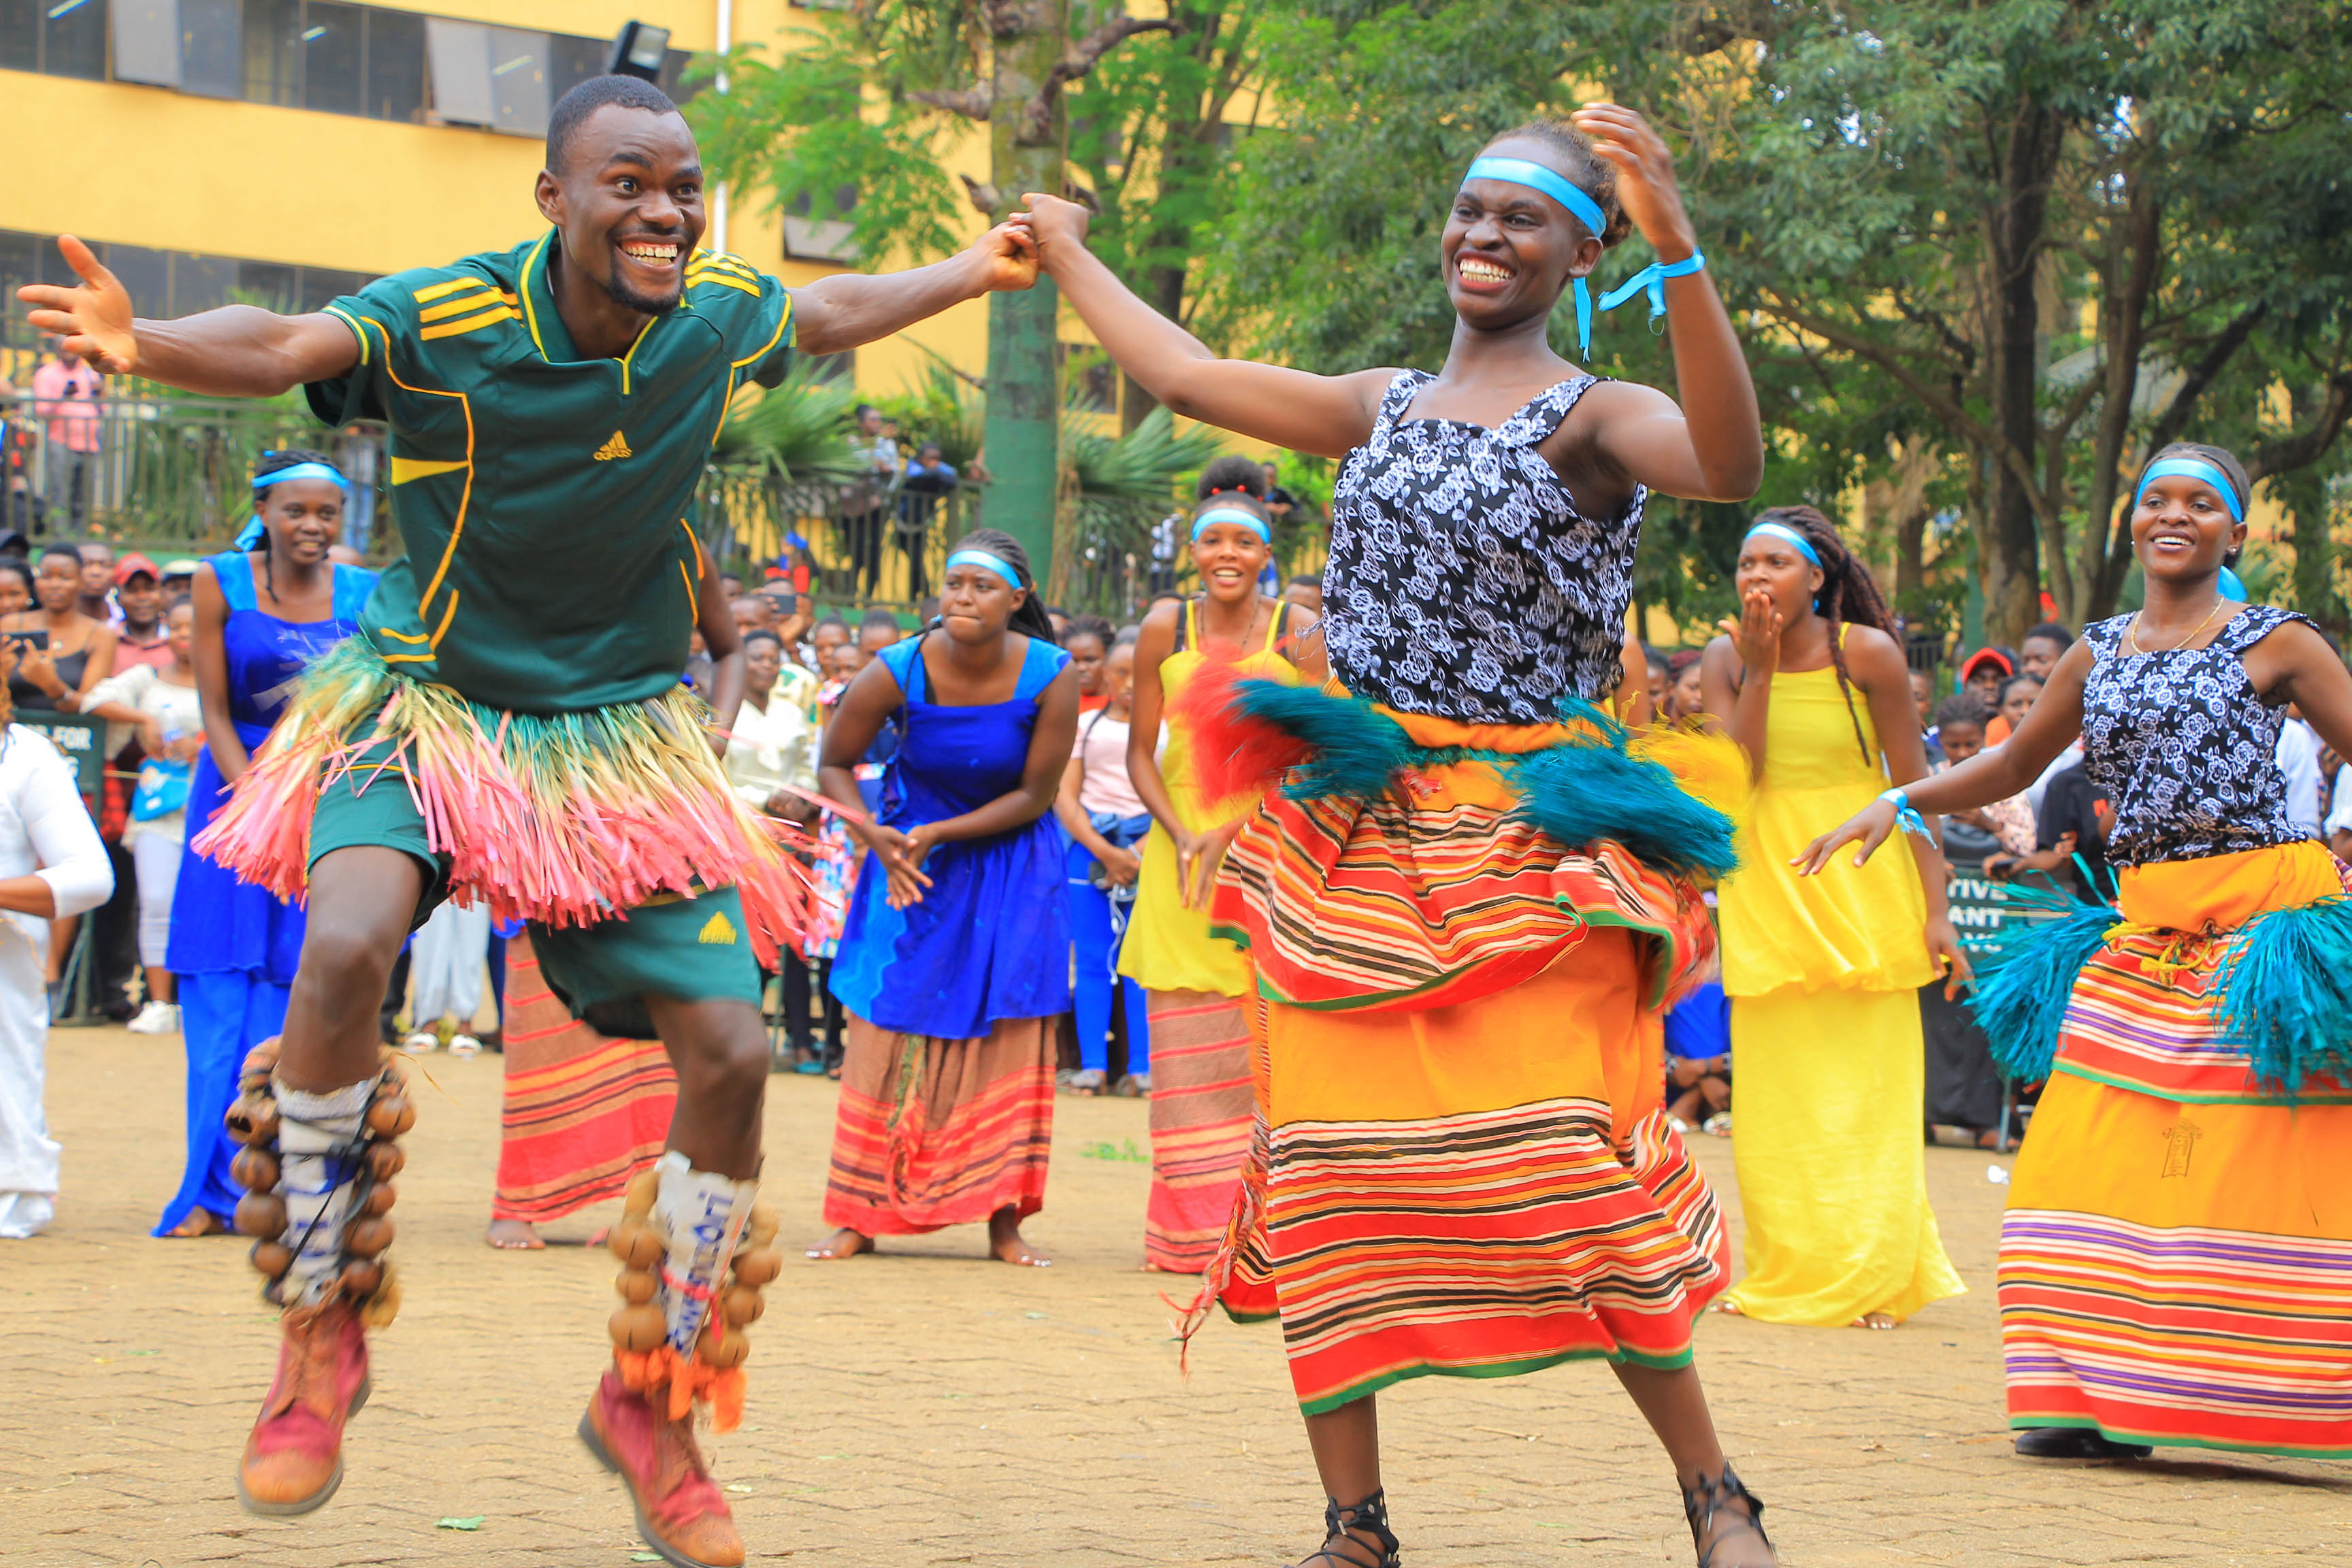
x: 1038, y: 666
x: 905, y: 660
x: 234, y: 568
x: 352, y: 587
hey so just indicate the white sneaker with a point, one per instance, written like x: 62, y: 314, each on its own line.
x: 156, y: 1018
x: 424, y: 1042
x: 464, y: 1044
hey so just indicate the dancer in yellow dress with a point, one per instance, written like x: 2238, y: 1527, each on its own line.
x: 1824, y: 972
x: 1201, y: 1099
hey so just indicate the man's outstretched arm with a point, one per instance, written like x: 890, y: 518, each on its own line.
x: 847, y: 308
x: 239, y: 351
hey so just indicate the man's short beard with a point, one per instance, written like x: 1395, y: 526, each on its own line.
x: 629, y: 299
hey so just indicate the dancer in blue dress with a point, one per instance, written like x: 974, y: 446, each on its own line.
x: 955, y: 961
x: 261, y: 617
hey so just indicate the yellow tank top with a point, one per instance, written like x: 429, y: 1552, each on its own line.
x: 1167, y: 946
x: 1847, y: 928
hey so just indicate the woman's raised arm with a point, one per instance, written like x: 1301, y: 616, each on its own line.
x: 1328, y: 416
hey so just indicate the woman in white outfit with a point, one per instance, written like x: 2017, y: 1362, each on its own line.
x: 446, y: 966
x: 162, y: 702
x: 51, y: 864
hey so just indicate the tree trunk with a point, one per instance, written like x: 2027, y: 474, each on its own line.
x: 1165, y: 289
x: 1024, y: 430
x: 2012, y: 576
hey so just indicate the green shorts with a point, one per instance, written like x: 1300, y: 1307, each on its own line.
x: 695, y: 949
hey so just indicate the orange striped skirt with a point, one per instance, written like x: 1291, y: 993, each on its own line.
x: 2176, y: 1261
x: 1461, y: 1163
x: 1201, y: 1112
x: 934, y: 1132
x: 585, y: 1111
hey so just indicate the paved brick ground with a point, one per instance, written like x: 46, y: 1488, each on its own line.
x: 927, y: 1406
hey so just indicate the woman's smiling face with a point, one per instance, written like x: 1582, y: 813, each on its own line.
x: 2181, y: 528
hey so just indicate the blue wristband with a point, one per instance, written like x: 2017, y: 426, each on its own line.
x: 1908, y: 820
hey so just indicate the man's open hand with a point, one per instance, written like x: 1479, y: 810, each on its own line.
x: 94, y: 316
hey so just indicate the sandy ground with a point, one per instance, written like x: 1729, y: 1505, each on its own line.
x: 927, y: 1406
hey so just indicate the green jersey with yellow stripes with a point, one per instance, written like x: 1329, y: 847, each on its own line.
x: 543, y: 497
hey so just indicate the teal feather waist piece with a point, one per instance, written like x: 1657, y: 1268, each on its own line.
x: 1585, y: 789
x: 2025, y: 976
x: 2284, y: 993
x: 2287, y: 993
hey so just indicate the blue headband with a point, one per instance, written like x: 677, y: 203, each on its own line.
x: 2193, y: 469
x: 301, y: 471
x: 1781, y: 531
x: 987, y: 561
x: 250, y: 536
x: 1256, y: 524
x: 1651, y: 279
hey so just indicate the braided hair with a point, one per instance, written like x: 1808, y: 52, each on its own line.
x: 1029, y: 617
x: 2220, y: 458
x: 1846, y: 597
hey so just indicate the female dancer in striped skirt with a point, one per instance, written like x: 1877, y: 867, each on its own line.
x: 1471, y: 898
x: 1200, y: 1101
x: 2176, y: 1263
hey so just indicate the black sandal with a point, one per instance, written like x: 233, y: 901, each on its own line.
x: 1372, y: 1515
x: 1701, y: 1502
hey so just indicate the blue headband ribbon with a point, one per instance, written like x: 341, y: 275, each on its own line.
x: 250, y: 536
x: 1649, y: 279
x: 327, y: 471
x: 1250, y: 521
x: 987, y: 561
x: 1789, y: 535
x: 2196, y: 469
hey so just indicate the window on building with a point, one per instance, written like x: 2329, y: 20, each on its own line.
x: 273, y: 52
x: 396, y: 66
x: 147, y: 41
x: 572, y: 61
x: 334, y: 58
x: 20, y: 35
x: 201, y: 282
x: 147, y: 274
x: 826, y: 239
x: 459, y: 53
x: 321, y: 284
x: 212, y: 47
x: 518, y: 80
x: 270, y: 284
x: 20, y: 263
x: 73, y: 39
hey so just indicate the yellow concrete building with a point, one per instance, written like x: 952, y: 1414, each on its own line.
x: 290, y: 148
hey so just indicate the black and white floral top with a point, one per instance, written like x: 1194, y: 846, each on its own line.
x: 2183, y: 747
x: 1462, y: 581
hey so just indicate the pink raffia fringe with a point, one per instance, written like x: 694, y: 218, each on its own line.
x: 563, y: 818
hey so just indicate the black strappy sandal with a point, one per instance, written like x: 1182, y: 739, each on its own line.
x: 1701, y: 1502
x: 1372, y: 1515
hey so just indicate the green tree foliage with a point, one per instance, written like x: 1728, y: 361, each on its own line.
x: 1987, y: 253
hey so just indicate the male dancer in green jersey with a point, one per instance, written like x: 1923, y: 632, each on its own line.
x: 508, y: 726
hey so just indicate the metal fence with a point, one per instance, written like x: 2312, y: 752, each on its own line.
x: 169, y: 473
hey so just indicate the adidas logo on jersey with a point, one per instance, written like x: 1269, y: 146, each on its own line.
x: 719, y: 930
x: 618, y: 447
